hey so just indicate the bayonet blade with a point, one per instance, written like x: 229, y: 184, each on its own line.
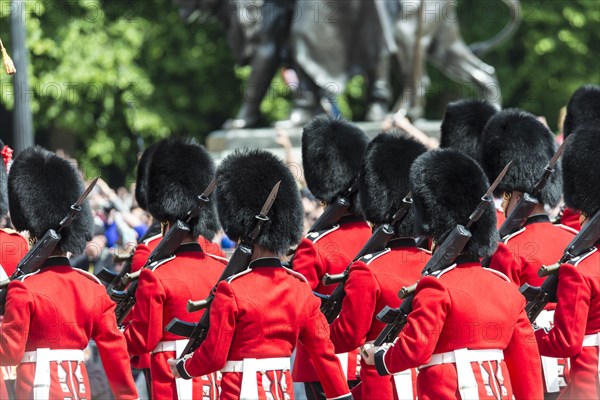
x: 209, y: 189
x: 85, y: 194
x: 556, y: 156
x: 270, y: 200
x: 407, y: 200
x: 498, y: 180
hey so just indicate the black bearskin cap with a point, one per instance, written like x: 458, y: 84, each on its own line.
x: 3, y: 186
x: 384, y: 178
x: 246, y: 178
x: 332, y: 152
x: 178, y: 173
x: 141, y: 182
x: 447, y: 187
x: 463, y: 125
x: 581, y: 170
x: 518, y: 136
x: 583, y: 108
x: 41, y: 189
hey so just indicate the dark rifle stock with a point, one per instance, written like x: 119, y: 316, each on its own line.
x: 335, y: 211
x: 238, y: 262
x: 32, y: 262
x: 197, y: 331
x: 125, y: 299
x: 332, y: 305
x: 44, y: 247
x: 539, y: 297
x: 110, y: 278
x: 517, y: 218
x: 524, y: 208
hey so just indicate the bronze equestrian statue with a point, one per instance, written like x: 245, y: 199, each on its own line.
x: 329, y: 41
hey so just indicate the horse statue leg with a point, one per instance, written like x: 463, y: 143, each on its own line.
x: 455, y: 59
x: 270, y: 42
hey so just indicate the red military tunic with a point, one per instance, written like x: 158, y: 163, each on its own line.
x: 162, y: 295
x: 468, y: 307
x: 373, y: 283
x: 570, y: 218
x: 13, y: 248
x: 143, y: 250
x: 139, y: 259
x: 539, y: 243
x: 577, y: 326
x: 62, y: 308
x: 327, y: 252
x: 262, y: 313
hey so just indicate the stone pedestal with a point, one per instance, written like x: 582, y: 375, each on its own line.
x: 221, y: 143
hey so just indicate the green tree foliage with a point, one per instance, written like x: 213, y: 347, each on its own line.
x: 555, y: 50
x: 109, y: 77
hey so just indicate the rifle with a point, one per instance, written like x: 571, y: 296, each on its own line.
x: 517, y: 218
x: 44, y: 247
x: 125, y: 297
x: 538, y: 297
x: 336, y: 210
x: 444, y: 256
x: 332, y: 304
x: 112, y: 279
x: 109, y: 278
x: 239, y: 261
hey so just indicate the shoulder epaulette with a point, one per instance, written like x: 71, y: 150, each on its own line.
x: 296, y: 274
x: 158, y: 263
x: 369, y: 258
x: 315, y: 236
x: 584, y: 256
x: 512, y: 235
x: 498, y: 273
x: 567, y: 228
x: 438, y: 274
x: 91, y: 277
x: 244, y: 272
x: 151, y: 238
x: 22, y: 278
x: 216, y: 257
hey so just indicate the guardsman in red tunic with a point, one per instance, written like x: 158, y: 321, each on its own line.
x: 153, y: 236
x: 468, y: 332
x: 148, y: 243
x: 375, y: 279
x: 178, y: 172
x: 583, y: 109
x: 519, y: 136
x: 462, y: 127
x: 576, y: 329
x: 261, y: 314
x: 12, y: 245
x: 461, y: 130
x: 332, y: 152
x: 13, y: 248
x: 52, y: 314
